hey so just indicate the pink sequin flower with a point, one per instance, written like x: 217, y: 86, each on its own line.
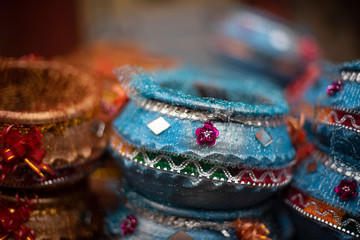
x: 207, y: 134
x: 346, y: 189
x: 128, y: 225
x: 334, y: 88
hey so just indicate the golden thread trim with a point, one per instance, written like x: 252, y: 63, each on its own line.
x: 55, y: 128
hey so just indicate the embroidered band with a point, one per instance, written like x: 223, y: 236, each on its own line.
x: 313, y: 208
x: 335, y: 166
x: 338, y: 117
x: 183, y: 222
x: 200, y: 115
x: 190, y: 166
x: 350, y: 76
x: 245, y: 229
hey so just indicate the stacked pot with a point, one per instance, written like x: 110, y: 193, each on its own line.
x: 50, y: 140
x: 324, y: 194
x: 203, y: 156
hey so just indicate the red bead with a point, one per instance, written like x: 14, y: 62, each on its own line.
x: 346, y: 189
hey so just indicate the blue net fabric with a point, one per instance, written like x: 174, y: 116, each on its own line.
x: 250, y: 97
x: 333, y: 169
x: 190, y: 88
x: 348, y: 98
x: 320, y: 185
x: 225, y: 100
x: 338, y: 131
x: 153, y: 224
x: 263, y: 42
x: 329, y: 74
x: 236, y: 144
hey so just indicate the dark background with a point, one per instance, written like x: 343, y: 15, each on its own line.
x: 176, y: 27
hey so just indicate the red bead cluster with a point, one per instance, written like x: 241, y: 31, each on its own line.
x: 334, y: 88
x: 346, y: 189
x: 207, y: 134
x: 128, y: 225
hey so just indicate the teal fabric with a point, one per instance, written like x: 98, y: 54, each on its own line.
x: 320, y: 185
x: 150, y: 230
x: 248, y: 96
x: 235, y: 146
x: 343, y: 147
x: 266, y: 43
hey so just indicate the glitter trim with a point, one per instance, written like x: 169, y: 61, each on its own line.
x: 182, y: 222
x: 350, y: 76
x: 325, y: 159
x: 203, y: 116
x: 191, y: 166
x: 321, y: 212
x: 56, y: 128
x: 338, y: 117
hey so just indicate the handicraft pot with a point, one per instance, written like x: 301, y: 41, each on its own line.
x: 49, y: 134
x: 203, y: 142
x: 265, y: 43
x: 71, y: 213
x: 141, y: 218
x: 325, y: 186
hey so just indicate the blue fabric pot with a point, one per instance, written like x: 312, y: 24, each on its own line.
x: 324, y: 193
x: 161, y: 221
x: 248, y: 162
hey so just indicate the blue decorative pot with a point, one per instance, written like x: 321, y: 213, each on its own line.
x: 141, y: 218
x: 198, y: 141
x: 325, y: 186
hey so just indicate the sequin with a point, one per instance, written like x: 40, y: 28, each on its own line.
x: 264, y: 137
x: 346, y: 189
x: 128, y: 225
x: 207, y: 134
x: 334, y: 88
x: 158, y: 125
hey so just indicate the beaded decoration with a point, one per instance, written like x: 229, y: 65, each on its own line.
x: 350, y: 76
x: 190, y: 166
x: 207, y: 134
x: 58, y: 101
x: 338, y: 117
x: 346, y: 189
x: 202, y: 115
x: 321, y: 212
x: 335, y: 166
x: 334, y: 88
x: 245, y: 229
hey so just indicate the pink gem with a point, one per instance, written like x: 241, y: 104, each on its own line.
x: 334, y: 88
x: 346, y: 189
x: 128, y: 225
x: 207, y: 134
